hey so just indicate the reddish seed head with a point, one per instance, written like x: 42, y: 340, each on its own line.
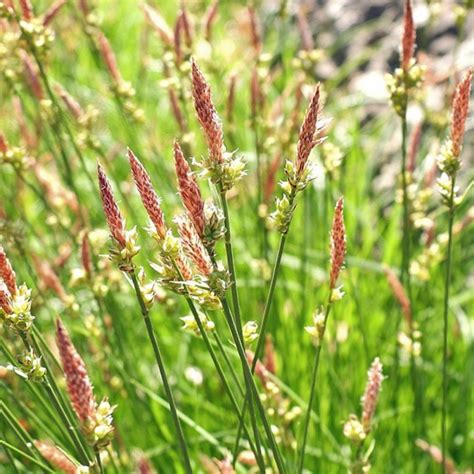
x: 460, y: 109
x: 207, y: 114
x: 189, y: 190
x: 108, y: 57
x: 31, y: 75
x: 7, y: 274
x: 148, y: 195
x: 436, y: 455
x: 260, y: 370
x: 409, y: 35
x: 86, y: 254
x: 306, y: 141
x: 3, y: 144
x: 26, y: 9
x: 255, y: 30
x: 210, y: 18
x: 338, y: 243
x: 159, y: 24
x: 400, y: 294
x: 176, y: 109
x: 79, y: 386
x: 371, y: 395
x: 193, y: 247
x: 187, y: 27
x: 52, y: 11
x: 178, y: 28
x: 270, y: 362
x: 112, y: 212
x: 56, y: 457
x: 231, y: 97
x: 5, y: 299
x: 49, y: 278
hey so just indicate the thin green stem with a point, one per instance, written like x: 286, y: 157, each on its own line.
x: 164, y: 377
x: 230, y: 263
x: 99, y: 461
x: 26, y: 456
x: 252, y: 392
x: 445, y: 324
x: 313, y: 391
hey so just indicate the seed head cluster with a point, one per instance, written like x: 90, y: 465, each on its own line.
x: 112, y: 213
x: 79, y: 386
x: 189, y: 191
x: 207, y: 114
x: 338, y: 243
x: 148, y: 195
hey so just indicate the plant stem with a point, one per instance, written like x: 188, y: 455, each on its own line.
x: 252, y: 393
x: 99, y: 460
x: 230, y: 263
x: 164, y: 377
x: 313, y: 391
x: 445, y: 323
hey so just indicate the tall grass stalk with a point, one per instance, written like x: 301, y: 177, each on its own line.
x: 164, y: 377
x: 312, y: 390
x: 447, y: 282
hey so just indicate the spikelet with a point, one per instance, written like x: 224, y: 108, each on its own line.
x: 112, y: 212
x: 436, y: 455
x: 193, y: 246
x: 338, y: 243
x: 187, y: 26
x: 408, y: 38
x: 255, y: 30
x: 56, y: 457
x: 108, y: 57
x: 209, y: 19
x: 176, y: 109
x: 371, y: 395
x: 49, y: 278
x: 7, y: 274
x: 144, y: 466
x: 86, y: 255
x: 79, y: 386
x: 5, y: 299
x: 306, y: 140
x: 231, y: 98
x: 260, y: 370
x: 207, y: 114
x: 189, y: 191
x: 26, y: 9
x: 178, y: 51
x: 459, y: 112
x: 269, y: 358
x: 52, y: 11
x: 148, y: 195
x: 159, y: 25
x: 400, y: 295
x: 32, y: 77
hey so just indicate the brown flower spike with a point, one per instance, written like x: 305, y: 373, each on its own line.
x: 409, y: 36
x: 112, y: 212
x: 400, y: 294
x: 371, y: 395
x: 148, y: 195
x: 459, y: 112
x: 56, y: 457
x: 338, y: 243
x: 306, y: 141
x: 189, y: 191
x: 207, y: 114
x: 7, y: 274
x: 192, y: 245
x: 79, y: 386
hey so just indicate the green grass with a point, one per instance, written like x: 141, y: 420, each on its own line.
x: 363, y: 325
